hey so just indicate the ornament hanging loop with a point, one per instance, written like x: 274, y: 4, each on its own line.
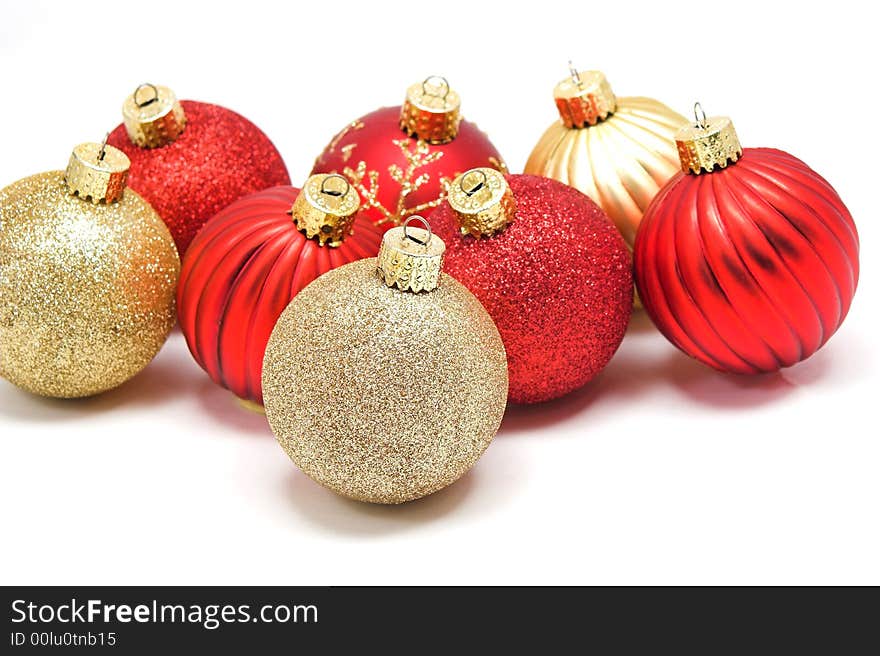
x: 479, y: 185
x: 427, y: 225
x: 575, y: 76
x: 335, y: 192
x: 700, y: 116
x: 444, y: 84
x: 146, y: 85
x: 103, y: 151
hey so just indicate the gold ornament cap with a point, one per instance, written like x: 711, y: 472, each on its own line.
x: 708, y: 143
x: 584, y: 98
x: 431, y: 111
x: 411, y: 259
x: 482, y: 202
x: 97, y: 172
x: 325, y: 208
x: 153, y: 116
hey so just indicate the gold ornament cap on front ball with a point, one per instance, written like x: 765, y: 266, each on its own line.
x: 584, y: 98
x: 707, y: 143
x: 482, y: 202
x: 153, y: 116
x: 325, y: 208
x: 97, y: 172
x: 431, y: 111
x: 411, y: 259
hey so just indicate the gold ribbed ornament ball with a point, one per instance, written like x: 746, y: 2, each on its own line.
x: 385, y: 379
x: 618, y: 151
x: 87, y: 278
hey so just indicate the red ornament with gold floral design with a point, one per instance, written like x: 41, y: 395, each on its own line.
x: 747, y: 259
x: 401, y: 159
x: 251, y: 259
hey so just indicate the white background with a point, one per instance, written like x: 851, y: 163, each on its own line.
x: 660, y: 471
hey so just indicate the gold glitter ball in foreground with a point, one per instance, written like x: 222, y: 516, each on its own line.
x: 86, y: 289
x: 384, y: 395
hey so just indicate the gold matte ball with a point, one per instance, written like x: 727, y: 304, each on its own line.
x: 621, y: 162
x: 384, y: 395
x: 86, y: 290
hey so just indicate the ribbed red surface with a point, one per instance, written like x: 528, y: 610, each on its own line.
x: 239, y: 274
x: 750, y: 268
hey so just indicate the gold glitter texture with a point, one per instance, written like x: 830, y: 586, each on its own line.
x: 406, y: 407
x: 86, y: 290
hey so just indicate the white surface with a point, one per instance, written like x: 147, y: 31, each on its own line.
x: 661, y: 471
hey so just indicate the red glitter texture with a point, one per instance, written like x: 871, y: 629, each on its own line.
x: 557, y: 282
x: 371, y: 140
x: 749, y: 268
x: 240, y: 273
x: 220, y: 157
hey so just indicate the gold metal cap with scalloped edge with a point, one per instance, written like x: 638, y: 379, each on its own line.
x: 431, y: 111
x: 411, y: 259
x: 708, y: 143
x: 97, y: 172
x: 584, y: 98
x: 482, y: 202
x: 153, y: 116
x: 325, y: 208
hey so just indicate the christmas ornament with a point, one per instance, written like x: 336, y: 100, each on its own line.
x: 550, y: 269
x: 191, y: 159
x: 87, y: 277
x: 618, y: 151
x: 401, y: 159
x: 246, y: 264
x: 747, y: 260
x: 385, y: 379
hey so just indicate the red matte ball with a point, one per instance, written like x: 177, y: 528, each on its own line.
x: 749, y: 268
x: 220, y: 157
x: 557, y: 281
x: 239, y: 274
x: 398, y: 176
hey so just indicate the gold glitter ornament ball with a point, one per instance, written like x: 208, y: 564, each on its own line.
x: 87, y: 278
x: 385, y: 379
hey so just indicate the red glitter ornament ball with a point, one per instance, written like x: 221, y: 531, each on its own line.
x: 398, y: 175
x: 219, y: 157
x: 239, y: 274
x: 748, y: 268
x: 557, y: 280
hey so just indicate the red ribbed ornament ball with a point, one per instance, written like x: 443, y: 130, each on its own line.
x: 556, y: 279
x: 239, y: 274
x: 218, y: 157
x: 398, y: 173
x: 751, y: 267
